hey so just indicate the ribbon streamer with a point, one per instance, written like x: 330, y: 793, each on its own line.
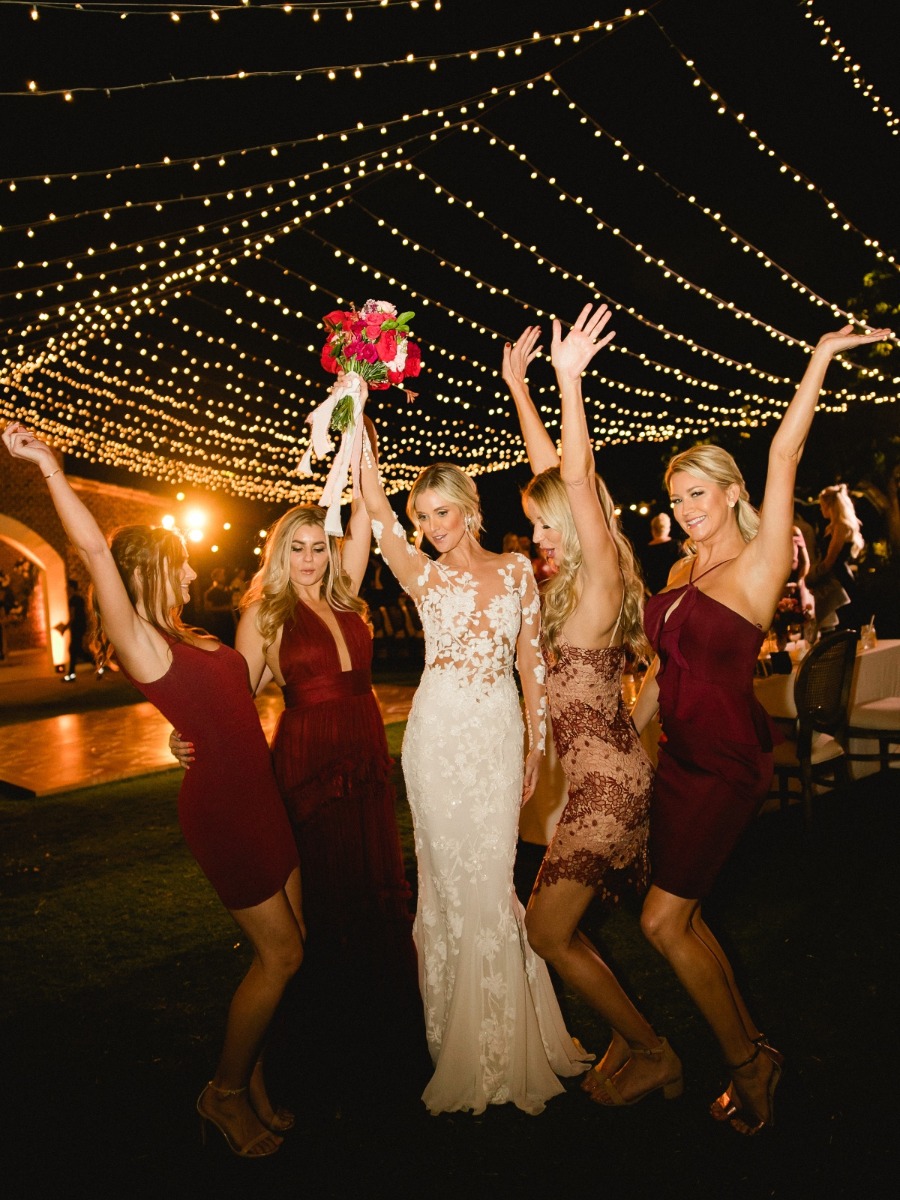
x: 346, y: 461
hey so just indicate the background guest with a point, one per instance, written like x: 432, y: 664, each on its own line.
x: 660, y: 554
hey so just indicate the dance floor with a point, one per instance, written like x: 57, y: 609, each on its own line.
x: 56, y: 754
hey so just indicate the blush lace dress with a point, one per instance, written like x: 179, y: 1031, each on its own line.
x: 494, y: 1028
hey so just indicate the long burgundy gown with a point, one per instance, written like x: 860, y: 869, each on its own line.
x: 332, y: 765
x: 231, y: 812
x: 715, y: 756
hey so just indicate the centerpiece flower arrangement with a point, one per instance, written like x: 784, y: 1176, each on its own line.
x: 368, y: 349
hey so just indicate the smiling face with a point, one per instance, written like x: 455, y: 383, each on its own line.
x: 547, y: 539
x: 700, y: 506
x: 309, y: 556
x: 186, y: 576
x: 442, y: 522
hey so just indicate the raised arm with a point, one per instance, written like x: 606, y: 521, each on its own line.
x: 517, y: 357
x: 602, y: 585
x: 141, y: 650
x: 530, y: 666
x: 404, y: 560
x: 768, y: 556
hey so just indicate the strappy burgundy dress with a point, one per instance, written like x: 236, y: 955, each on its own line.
x: 715, y: 756
x: 231, y: 812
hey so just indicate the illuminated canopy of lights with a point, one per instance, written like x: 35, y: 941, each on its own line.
x: 163, y: 316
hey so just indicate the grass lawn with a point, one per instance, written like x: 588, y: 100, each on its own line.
x: 118, y: 964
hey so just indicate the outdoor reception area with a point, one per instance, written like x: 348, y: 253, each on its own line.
x: 358, y: 813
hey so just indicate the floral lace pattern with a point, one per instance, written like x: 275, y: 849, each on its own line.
x: 601, y: 838
x: 494, y: 1027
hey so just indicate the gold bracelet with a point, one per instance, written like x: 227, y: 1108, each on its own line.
x: 52, y: 473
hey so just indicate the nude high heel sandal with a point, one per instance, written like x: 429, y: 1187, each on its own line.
x: 250, y: 1149
x: 723, y: 1108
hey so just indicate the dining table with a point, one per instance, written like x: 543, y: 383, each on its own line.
x: 876, y: 675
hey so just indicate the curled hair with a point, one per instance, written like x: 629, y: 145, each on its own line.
x: 148, y: 559
x: 559, y: 595
x: 456, y: 487
x: 837, y: 500
x: 716, y: 465
x: 271, y: 585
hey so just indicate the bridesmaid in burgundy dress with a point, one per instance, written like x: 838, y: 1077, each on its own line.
x: 715, y: 760
x: 304, y: 625
x: 229, y: 806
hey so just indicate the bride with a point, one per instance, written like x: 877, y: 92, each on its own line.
x: 495, y: 1031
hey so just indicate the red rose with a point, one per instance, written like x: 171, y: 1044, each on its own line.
x: 337, y: 320
x: 328, y: 361
x: 413, y: 359
x: 387, y: 346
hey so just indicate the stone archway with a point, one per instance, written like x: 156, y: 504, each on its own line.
x: 53, y: 567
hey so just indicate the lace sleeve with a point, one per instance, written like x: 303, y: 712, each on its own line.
x: 529, y: 662
x: 407, y: 564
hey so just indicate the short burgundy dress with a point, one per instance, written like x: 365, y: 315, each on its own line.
x: 715, y: 756
x: 231, y: 812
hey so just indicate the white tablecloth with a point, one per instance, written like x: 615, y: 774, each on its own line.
x: 875, y: 676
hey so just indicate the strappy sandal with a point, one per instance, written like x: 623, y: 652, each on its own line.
x: 736, y: 1111
x: 603, y: 1090
x: 250, y: 1149
x: 723, y: 1107
x: 282, y: 1118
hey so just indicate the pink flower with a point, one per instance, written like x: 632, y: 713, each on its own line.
x: 363, y: 350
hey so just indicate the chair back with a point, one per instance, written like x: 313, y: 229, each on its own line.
x: 822, y: 686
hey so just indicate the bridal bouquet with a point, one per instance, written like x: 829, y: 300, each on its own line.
x: 365, y: 348
x: 373, y: 343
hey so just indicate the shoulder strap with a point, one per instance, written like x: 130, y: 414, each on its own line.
x: 708, y: 569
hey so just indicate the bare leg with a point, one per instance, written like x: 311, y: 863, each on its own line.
x: 278, y: 951
x: 281, y: 1119
x: 554, y: 911
x: 674, y: 927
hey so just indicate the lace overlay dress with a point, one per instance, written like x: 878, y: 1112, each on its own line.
x: 494, y: 1028
x: 601, y: 838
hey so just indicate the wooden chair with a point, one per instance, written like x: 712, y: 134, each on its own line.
x: 821, y: 696
x: 876, y: 721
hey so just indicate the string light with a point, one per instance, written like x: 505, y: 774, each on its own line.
x: 853, y: 69
x: 332, y: 72
x: 786, y: 169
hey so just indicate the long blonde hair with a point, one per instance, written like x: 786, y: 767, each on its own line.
x: 455, y: 486
x: 715, y: 464
x: 148, y: 559
x: 559, y: 595
x: 271, y: 585
x: 837, y: 500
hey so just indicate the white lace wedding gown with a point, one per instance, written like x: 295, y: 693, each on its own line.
x: 494, y: 1027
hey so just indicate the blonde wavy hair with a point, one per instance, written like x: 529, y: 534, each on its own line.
x: 456, y: 487
x: 559, y: 595
x: 717, y: 466
x: 271, y: 585
x: 148, y: 559
x: 836, y: 499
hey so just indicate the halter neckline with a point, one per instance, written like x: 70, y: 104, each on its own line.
x: 708, y: 569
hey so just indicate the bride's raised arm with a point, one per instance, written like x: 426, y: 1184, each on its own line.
x: 404, y: 560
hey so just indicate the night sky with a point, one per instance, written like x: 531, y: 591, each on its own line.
x: 199, y: 368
